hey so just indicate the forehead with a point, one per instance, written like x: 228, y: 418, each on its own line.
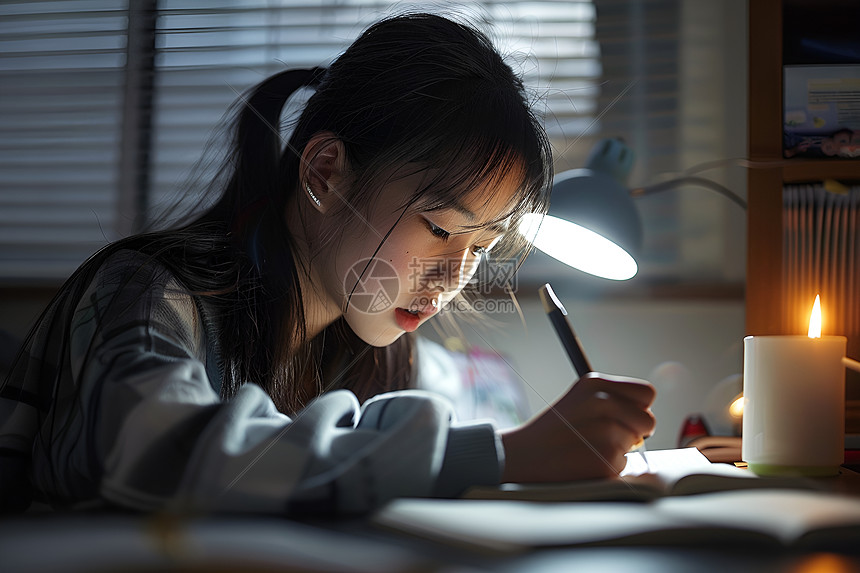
x: 478, y: 202
x: 489, y: 206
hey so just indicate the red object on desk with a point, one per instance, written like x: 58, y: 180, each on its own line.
x: 693, y: 427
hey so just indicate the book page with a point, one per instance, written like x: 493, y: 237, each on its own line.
x: 763, y: 517
x: 672, y: 463
x: 791, y: 516
x: 647, y: 475
x: 642, y: 487
x: 687, y: 470
x: 519, y: 525
x: 511, y: 526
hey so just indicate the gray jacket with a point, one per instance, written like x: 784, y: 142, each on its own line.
x: 136, y: 419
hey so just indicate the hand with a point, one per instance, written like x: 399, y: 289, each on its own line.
x: 584, y: 435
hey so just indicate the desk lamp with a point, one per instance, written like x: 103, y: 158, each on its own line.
x: 592, y: 223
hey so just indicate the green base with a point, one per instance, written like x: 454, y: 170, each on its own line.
x: 805, y: 471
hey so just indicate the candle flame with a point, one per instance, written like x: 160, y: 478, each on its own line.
x: 815, y: 319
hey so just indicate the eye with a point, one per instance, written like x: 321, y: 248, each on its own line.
x: 438, y: 231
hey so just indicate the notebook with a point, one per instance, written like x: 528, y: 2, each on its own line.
x: 647, y: 476
x: 772, y: 518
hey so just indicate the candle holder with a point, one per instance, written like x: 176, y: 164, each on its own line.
x: 794, y: 405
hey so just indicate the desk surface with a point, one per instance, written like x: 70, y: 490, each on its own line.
x: 59, y: 544
x: 113, y: 541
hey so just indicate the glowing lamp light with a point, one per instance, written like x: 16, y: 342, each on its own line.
x: 593, y: 224
x: 578, y: 247
x: 736, y: 408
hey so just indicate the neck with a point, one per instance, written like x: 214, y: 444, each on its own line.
x: 319, y: 308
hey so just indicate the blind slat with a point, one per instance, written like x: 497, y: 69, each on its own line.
x: 61, y: 89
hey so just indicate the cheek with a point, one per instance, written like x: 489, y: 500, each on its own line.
x: 404, y: 264
x: 355, y: 245
x: 404, y: 251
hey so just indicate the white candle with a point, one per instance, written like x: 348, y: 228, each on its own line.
x: 794, y: 404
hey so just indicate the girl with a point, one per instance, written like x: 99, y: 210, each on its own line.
x: 255, y: 358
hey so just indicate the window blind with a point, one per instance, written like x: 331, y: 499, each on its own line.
x: 598, y: 69
x: 641, y: 102
x: 673, y: 86
x: 208, y: 53
x: 61, y: 88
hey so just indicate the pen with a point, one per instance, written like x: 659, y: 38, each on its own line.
x: 558, y: 317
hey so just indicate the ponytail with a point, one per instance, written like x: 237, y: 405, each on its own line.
x: 258, y: 135
x: 258, y: 184
x: 260, y: 116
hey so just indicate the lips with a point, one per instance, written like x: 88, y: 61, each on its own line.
x: 406, y: 320
x: 410, y: 320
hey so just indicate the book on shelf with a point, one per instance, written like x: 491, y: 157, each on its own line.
x: 648, y: 475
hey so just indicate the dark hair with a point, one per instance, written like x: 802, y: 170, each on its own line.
x: 414, y: 89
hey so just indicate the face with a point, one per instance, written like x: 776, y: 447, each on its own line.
x: 391, y: 285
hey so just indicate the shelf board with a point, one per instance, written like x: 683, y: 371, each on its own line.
x: 798, y: 170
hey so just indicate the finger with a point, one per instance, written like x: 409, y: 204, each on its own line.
x: 607, y: 443
x: 640, y: 422
x: 633, y: 389
x: 603, y: 405
x: 623, y: 441
x: 637, y: 420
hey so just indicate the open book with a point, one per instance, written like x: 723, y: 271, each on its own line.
x: 775, y: 518
x: 648, y: 475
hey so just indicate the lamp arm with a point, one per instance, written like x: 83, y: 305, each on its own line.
x: 701, y: 181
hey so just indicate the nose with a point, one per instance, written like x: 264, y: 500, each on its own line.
x: 452, y: 273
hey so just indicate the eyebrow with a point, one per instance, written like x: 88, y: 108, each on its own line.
x: 499, y: 226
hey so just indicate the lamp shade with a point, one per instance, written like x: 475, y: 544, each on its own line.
x: 592, y: 223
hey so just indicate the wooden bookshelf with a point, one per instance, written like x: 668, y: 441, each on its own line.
x: 800, y: 170
x: 764, y: 282
x: 764, y: 215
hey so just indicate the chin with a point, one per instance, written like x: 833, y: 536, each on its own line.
x: 377, y: 337
x: 380, y: 341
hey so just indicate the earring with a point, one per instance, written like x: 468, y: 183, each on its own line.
x: 311, y: 193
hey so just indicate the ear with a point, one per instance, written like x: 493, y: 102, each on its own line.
x: 322, y: 169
